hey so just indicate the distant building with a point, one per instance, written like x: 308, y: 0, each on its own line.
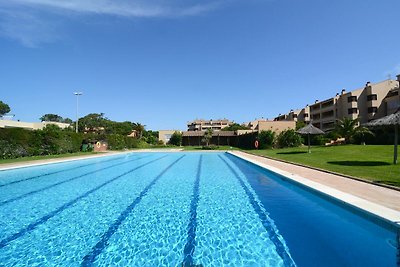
x: 31, y: 125
x: 230, y: 138
x: 203, y: 125
x: 370, y: 102
x: 165, y: 135
x: 265, y: 125
x: 253, y: 124
x: 392, y: 101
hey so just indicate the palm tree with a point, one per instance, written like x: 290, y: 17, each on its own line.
x: 349, y: 128
x: 139, y: 128
x: 207, y: 136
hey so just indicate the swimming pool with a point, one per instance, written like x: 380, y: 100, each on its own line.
x: 174, y: 209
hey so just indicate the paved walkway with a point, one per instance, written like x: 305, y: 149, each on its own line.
x: 381, y: 196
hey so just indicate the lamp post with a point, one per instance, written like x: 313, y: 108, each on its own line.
x: 77, y: 105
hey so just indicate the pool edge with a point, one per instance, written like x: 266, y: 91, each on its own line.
x: 384, y: 213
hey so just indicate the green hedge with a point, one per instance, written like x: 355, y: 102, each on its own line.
x: 16, y: 142
x: 119, y: 142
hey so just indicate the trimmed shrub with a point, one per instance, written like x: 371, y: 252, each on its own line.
x: 266, y: 139
x: 288, y: 138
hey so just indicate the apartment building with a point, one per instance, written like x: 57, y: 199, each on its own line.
x: 203, y: 125
x: 370, y: 102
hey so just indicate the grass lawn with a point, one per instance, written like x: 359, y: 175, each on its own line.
x: 3, y: 161
x: 200, y: 148
x: 369, y: 162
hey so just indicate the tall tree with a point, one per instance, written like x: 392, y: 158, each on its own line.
x: 139, y: 128
x: 4, y: 108
x: 176, y: 139
x: 123, y: 128
x: 93, y: 122
x: 52, y: 117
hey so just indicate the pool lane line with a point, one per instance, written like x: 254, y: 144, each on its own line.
x: 60, y: 171
x: 66, y: 181
x: 190, y: 246
x: 97, y: 249
x: 50, y: 215
x: 281, y: 248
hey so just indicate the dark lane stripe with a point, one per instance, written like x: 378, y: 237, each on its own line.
x: 45, y: 218
x: 66, y: 181
x: 188, y: 251
x: 50, y: 173
x: 280, y: 247
x: 89, y: 259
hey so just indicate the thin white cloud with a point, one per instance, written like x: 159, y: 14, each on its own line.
x: 28, y: 29
x: 32, y: 22
x: 136, y: 8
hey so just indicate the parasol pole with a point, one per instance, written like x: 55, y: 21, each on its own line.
x: 396, y: 130
x: 309, y: 151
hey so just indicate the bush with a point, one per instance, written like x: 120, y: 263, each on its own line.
x: 116, y: 142
x: 317, y: 140
x: 288, y: 138
x: 210, y: 147
x: 18, y: 142
x: 9, y: 150
x: 266, y: 139
x: 176, y: 139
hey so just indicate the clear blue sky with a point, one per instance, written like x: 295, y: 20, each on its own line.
x: 163, y: 63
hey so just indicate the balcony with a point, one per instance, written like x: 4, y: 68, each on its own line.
x: 352, y: 105
x: 328, y: 114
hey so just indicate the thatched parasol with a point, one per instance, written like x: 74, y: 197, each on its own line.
x: 390, y: 120
x: 308, y: 130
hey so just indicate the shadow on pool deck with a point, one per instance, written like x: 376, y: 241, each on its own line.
x: 359, y: 163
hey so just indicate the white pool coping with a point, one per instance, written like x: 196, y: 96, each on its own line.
x: 380, y: 211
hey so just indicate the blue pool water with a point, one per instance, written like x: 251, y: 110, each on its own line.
x: 179, y: 209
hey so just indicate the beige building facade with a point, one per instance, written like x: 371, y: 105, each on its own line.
x: 368, y: 103
x: 31, y: 125
x: 165, y: 135
x: 203, y: 125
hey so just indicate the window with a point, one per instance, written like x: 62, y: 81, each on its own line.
x: 295, y: 116
x: 305, y: 115
x: 352, y: 110
x: 352, y: 99
x: 372, y: 97
x: 372, y: 110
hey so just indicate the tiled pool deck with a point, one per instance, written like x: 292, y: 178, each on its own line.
x: 381, y: 201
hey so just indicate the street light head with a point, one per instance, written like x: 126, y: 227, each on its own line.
x: 77, y: 93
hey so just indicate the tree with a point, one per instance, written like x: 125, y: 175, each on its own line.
x: 93, y: 122
x: 52, y: 117
x: 348, y: 128
x: 150, y: 137
x: 176, y: 139
x: 207, y: 137
x: 300, y: 124
x: 234, y: 127
x: 122, y: 128
x: 4, y: 108
x: 67, y: 120
x: 139, y: 128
